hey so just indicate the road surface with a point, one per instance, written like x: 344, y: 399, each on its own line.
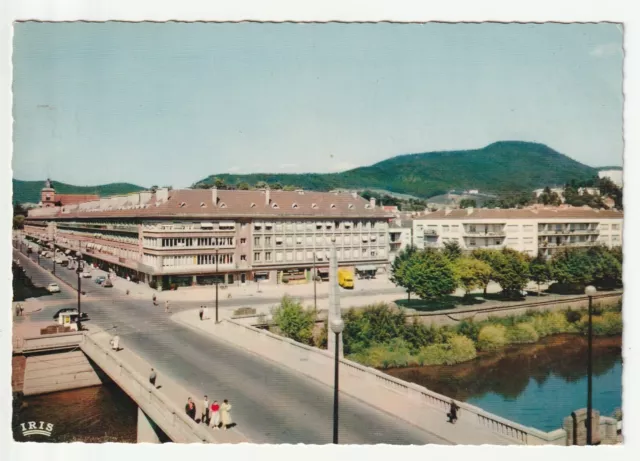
x: 271, y: 403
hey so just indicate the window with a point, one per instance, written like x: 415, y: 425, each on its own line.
x: 267, y: 240
x: 295, y: 205
x: 299, y: 256
x: 243, y: 257
x: 528, y: 240
x: 615, y: 238
x: 267, y: 256
x: 615, y: 226
x: 256, y: 241
x: 604, y: 226
x: 243, y: 241
x: 279, y: 256
x: 472, y: 242
x: 289, y: 241
x: 528, y: 228
x: 445, y: 228
x: 256, y: 256
x: 289, y: 256
x: 455, y: 228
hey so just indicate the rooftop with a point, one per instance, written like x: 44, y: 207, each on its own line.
x: 524, y: 213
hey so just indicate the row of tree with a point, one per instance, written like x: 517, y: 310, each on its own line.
x: 219, y: 183
x: 432, y: 273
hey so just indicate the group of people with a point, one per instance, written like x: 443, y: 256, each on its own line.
x: 19, y: 310
x: 213, y: 414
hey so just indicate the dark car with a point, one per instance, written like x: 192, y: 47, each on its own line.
x: 68, y: 309
x: 99, y: 280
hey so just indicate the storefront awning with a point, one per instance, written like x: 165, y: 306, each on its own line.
x: 227, y: 224
x: 366, y: 268
x: 206, y: 225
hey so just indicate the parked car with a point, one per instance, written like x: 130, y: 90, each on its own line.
x: 69, y: 309
x: 86, y: 275
x: 100, y: 279
x: 107, y: 284
x: 53, y: 288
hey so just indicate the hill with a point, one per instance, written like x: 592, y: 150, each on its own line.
x: 29, y: 191
x: 501, y: 167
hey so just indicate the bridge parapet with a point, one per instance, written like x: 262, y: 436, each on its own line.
x: 155, y: 404
x: 46, y: 343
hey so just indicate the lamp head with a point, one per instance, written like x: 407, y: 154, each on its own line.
x: 337, y: 325
x: 590, y: 291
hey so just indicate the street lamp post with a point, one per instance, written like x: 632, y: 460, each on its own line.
x: 337, y: 325
x: 315, y: 276
x: 590, y: 291
x: 217, y: 282
x: 79, y: 272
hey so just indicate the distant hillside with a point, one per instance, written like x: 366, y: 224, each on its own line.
x: 506, y: 166
x: 29, y: 191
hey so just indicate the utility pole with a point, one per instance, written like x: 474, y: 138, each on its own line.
x: 315, y: 276
x: 590, y: 291
x: 79, y: 272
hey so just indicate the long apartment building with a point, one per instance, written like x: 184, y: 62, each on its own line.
x: 535, y: 231
x: 188, y: 237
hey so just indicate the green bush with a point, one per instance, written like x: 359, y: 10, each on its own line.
x: 551, y: 323
x: 573, y: 316
x: 390, y: 355
x: 607, y: 324
x: 522, y: 333
x: 435, y: 354
x: 462, y: 348
x: 294, y: 321
x: 469, y: 328
x: 492, y: 337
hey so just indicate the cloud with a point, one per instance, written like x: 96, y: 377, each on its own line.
x: 234, y: 169
x: 605, y: 50
x: 288, y: 166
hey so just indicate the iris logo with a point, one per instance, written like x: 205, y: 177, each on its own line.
x: 37, y: 428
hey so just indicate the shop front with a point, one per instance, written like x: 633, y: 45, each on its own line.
x: 293, y: 276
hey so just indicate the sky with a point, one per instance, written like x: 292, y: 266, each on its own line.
x: 171, y: 103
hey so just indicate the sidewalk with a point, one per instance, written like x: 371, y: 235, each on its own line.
x: 430, y: 419
x: 167, y: 387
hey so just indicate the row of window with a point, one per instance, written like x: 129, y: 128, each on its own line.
x: 319, y: 240
x: 317, y: 226
x: 99, y: 235
x: 191, y: 260
x: 342, y: 254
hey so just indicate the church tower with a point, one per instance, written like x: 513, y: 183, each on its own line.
x: 47, y: 195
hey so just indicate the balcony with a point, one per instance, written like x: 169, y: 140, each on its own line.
x: 431, y: 232
x: 566, y: 244
x: 569, y: 232
x: 483, y: 233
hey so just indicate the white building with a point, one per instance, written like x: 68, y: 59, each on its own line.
x: 400, y: 236
x: 542, y: 230
x: 614, y: 175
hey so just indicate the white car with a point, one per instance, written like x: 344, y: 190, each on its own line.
x: 53, y: 288
x: 86, y: 275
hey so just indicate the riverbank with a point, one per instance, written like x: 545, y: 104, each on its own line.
x: 534, y: 384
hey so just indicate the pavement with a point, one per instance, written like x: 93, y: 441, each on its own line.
x: 271, y: 402
x: 461, y: 433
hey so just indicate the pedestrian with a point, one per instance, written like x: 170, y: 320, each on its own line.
x: 166, y: 306
x: 152, y: 377
x: 115, y: 343
x: 201, y: 312
x: 453, y: 412
x: 225, y: 414
x: 205, y: 411
x: 17, y: 310
x: 21, y: 309
x: 215, y: 415
x: 206, y: 312
x: 190, y: 409
x: 155, y: 300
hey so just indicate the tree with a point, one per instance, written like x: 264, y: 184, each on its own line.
x: 472, y: 273
x: 572, y: 266
x: 399, y: 269
x: 243, y: 186
x: 540, y: 271
x: 607, y: 269
x: 289, y: 188
x: 261, y: 185
x: 431, y: 274
x: 276, y: 186
x: 154, y: 188
x: 201, y: 185
x: 468, y: 203
x: 452, y: 250
x: 219, y: 183
x: 490, y: 257
x: 511, y: 271
x: 18, y: 222
x: 294, y: 321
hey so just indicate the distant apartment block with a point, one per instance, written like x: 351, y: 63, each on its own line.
x: 400, y: 236
x: 535, y: 231
x: 614, y: 175
x: 189, y: 237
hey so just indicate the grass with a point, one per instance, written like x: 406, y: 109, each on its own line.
x: 444, y: 303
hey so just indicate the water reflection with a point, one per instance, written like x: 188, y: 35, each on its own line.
x: 536, y: 384
x: 93, y: 415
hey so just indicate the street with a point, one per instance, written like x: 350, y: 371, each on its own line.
x: 271, y: 404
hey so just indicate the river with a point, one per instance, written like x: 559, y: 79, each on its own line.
x: 93, y: 415
x: 536, y: 385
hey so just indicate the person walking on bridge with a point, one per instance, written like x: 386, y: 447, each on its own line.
x: 155, y: 300
x: 166, y: 306
x: 190, y: 409
x: 215, y: 415
x: 201, y: 313
x: 152, y: 377
x: 225, y: 414
x: 453, y: 412
x: 205, y: 411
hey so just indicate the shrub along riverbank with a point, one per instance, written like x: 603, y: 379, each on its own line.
x: 381, y: 338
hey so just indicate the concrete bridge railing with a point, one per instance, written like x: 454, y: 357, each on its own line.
x: 46, y: 343
x: 166, y: 415
x: 507, y: 430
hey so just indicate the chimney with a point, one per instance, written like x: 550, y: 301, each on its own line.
x: 354, y: 194
x: 447, y: 211
x: 162, y: 195
x: 372, y: 201
x: 214, y: 195
x: 469, y: 210
x: 267, y: 196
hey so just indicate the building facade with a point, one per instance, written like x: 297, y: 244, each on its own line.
x: 400, y: 236
x: 188, y: 237
x: 534, y: 231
